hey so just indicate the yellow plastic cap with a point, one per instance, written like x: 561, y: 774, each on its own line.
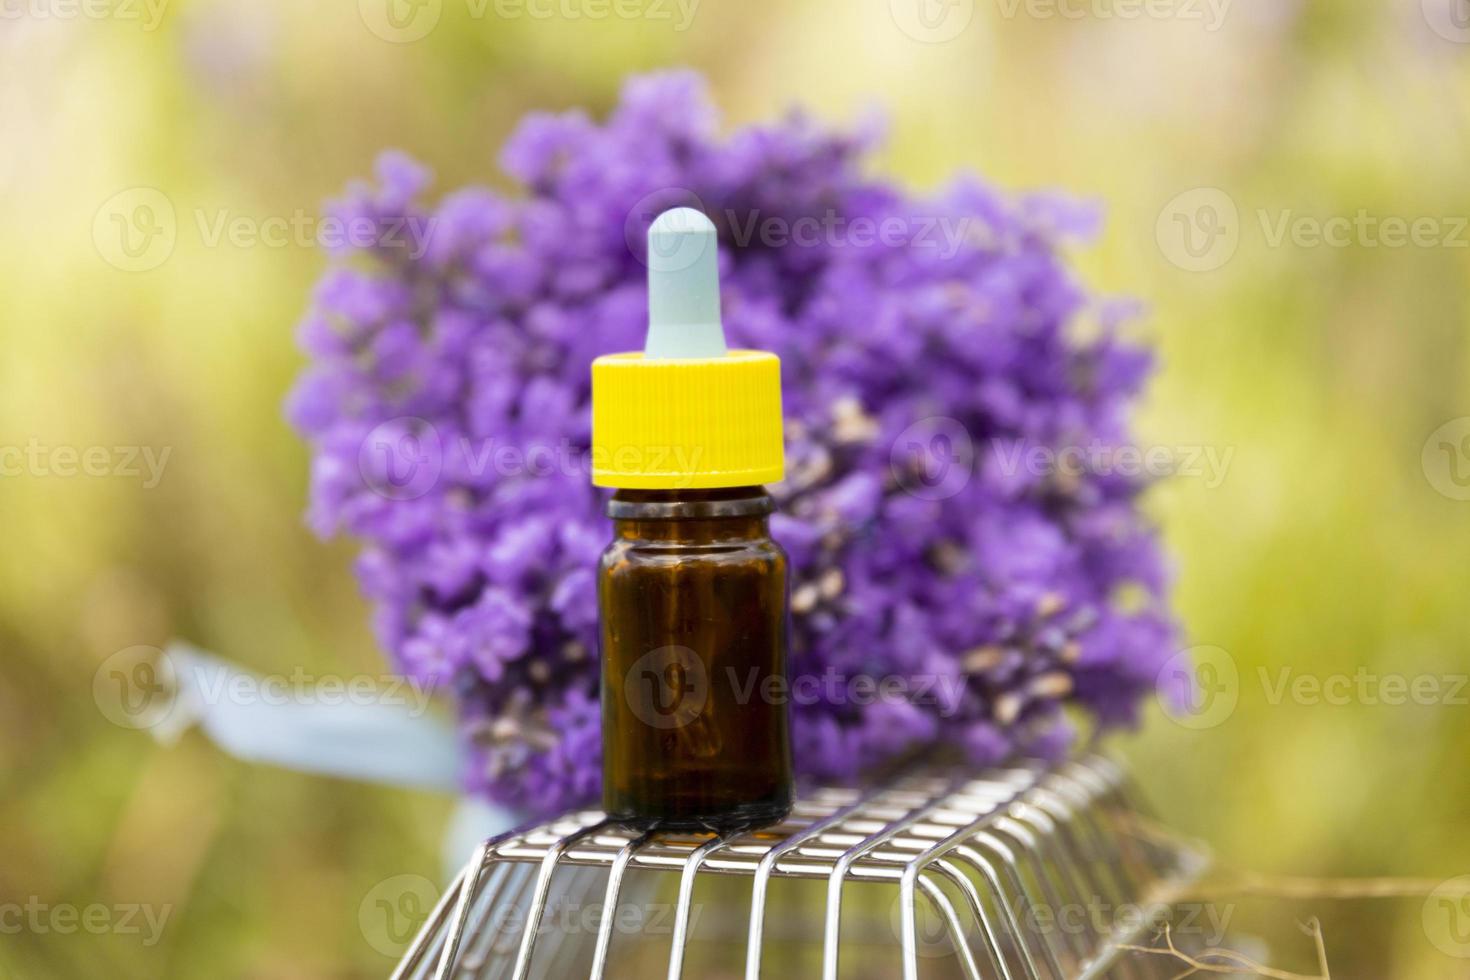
x: 664, y: 423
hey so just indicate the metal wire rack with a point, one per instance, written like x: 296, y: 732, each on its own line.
x: 969, y: 875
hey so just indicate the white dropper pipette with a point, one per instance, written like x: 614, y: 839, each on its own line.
x: 684, y: 287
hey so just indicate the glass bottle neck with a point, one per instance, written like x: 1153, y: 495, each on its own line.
x: 682, y: 514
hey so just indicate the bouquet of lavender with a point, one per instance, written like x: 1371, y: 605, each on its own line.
x: 954, y: 577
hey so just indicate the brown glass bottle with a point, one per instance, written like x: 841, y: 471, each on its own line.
x: 693, y: 597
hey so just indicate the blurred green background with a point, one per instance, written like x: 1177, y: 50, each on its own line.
x: 1337, y: 541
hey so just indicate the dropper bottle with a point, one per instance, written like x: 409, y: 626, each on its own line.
x: 693, y: 589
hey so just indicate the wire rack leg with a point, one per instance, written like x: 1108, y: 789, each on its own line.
x: 538, y: 897
x: 1011, y: 864
x: 952, y: 922
x: 470, y: 885
x: 987, y: 927
x: 610, y: 903
x: 686, y: 900
x: 762, y: 880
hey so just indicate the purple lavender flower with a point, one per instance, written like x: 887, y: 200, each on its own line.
x: 929, y: 348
